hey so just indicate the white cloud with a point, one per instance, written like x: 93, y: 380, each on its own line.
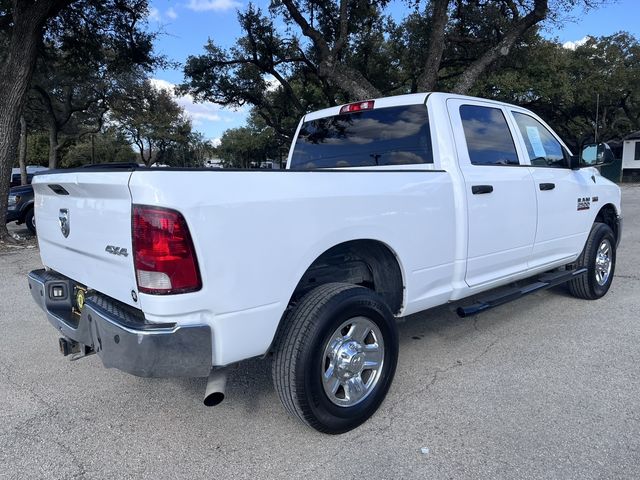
x: 576, y: 44
x: 154, y: 14
x: 216, y: 141
x: 213, y: 5
x: 171, y: 13
x: 199, y: 113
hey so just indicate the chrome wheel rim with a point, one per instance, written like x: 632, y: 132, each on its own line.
x: 603, y: 262
x: 352, y: 362
x: 33, y: 222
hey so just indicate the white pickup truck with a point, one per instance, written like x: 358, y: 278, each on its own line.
x: 387, y: 207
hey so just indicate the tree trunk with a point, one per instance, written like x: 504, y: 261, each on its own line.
x: 439, y: 17
x: 54, y: 145
x: 15, y: 77
x: 347, y: 78
x: 330, y: 68
x: 22, y: 156
x: 150, y: 159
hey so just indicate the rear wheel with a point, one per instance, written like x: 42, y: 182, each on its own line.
x: 30, y: 221
x: 599, y: 258
x: 336, y: 357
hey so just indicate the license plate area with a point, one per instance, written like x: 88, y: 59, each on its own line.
x: 78, y: 300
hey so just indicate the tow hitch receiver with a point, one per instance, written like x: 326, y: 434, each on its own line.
x: 73, y: 348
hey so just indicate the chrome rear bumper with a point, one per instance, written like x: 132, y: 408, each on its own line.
x: 120, y: 335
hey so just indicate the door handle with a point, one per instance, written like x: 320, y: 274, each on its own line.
x: 547, y: 186
x: 479, y: 189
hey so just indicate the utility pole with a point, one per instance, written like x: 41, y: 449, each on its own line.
x: 595, y: 138
x: 93, y: 149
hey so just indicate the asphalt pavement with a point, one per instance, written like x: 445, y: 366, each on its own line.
x: 544, y: 387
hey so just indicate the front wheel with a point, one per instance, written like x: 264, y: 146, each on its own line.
x: 336, y: 357
x: 599, y: 258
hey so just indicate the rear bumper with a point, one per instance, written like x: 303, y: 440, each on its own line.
x: 120, y: 335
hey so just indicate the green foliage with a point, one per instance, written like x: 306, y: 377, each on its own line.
x: 151, y: 120
x: 106, y: 147
x: 248, y: 147
x: 561, y: 85
x: 90, y: 53
x: 194, y: 151
x: 333, y: 52
x: 37, y: 150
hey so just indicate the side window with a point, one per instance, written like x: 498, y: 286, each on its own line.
x: 543, y: 148
x: 488, y: 137
x: 637, y: 152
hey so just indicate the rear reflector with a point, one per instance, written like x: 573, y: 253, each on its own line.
x: 357, y: 107
x: 163, y: 253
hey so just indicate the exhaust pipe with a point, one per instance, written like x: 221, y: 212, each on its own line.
x: 216, y: 387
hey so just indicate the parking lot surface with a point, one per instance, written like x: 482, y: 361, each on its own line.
x: 544, y: 387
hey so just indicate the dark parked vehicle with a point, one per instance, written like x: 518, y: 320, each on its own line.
x: 21, y: 207
x: 15, y: 179
x: 31, y: 170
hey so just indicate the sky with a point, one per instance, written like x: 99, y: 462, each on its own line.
x: 186, y: 26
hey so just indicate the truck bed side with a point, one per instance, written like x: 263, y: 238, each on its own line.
x: 256, y: 233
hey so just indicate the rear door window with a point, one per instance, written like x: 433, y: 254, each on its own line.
x: 488, y: 137
x: 383, y: 136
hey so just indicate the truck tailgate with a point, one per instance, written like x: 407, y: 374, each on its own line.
x: 96, y: 207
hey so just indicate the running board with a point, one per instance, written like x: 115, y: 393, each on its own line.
x: 543, y: 282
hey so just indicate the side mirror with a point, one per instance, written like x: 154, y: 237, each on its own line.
x: 595, y: 154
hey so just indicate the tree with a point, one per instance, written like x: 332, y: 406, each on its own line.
x: 152, y: 121
x: 83, y: 65
x: 248, y: 147
x: 346, y: 50
x: 561, y: 85
x: 104, y: 147
x: 22, y: 24
x: 22, y: 154
x: 27, y: 25
x: 194, y: 151
x: 516, y: 20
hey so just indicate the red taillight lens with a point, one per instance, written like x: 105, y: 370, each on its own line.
x: 163, y: 253
x: 357, y: 107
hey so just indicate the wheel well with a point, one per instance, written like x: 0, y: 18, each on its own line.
x: 369, y: 263
x: 608, y: 215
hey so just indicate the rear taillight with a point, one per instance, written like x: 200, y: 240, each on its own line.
x: 163, y: 253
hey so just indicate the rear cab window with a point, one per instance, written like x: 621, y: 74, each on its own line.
x: 382, y: 136
x: 489, y: 140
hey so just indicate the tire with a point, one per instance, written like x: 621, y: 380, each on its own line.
x: 599, y: 258
x: 324, y: 341
x: 30, y: 221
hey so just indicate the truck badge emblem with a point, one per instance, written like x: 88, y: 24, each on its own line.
x: 63, y: 220
x: 584, y: 203
x: 116, y: 250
